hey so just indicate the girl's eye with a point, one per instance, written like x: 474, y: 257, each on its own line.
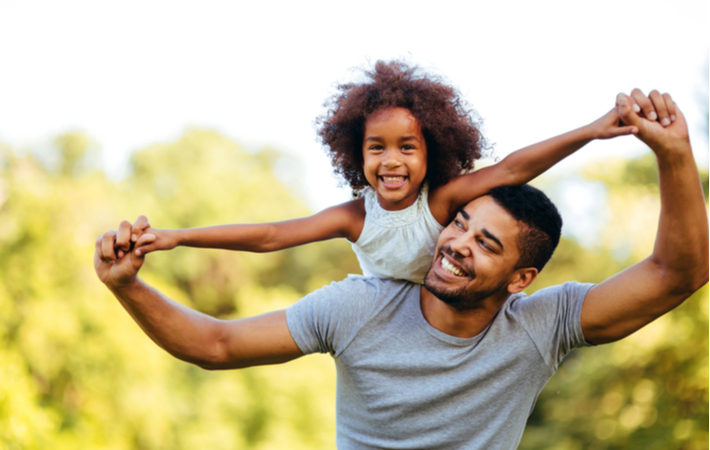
x: 458, y: 223
x: 407, y: 147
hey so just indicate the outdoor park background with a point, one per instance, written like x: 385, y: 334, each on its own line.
x: 105, y: 115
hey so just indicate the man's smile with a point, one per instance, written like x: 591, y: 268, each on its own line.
x: 449, y: 263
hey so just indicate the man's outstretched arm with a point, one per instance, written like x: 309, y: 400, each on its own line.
x: 183, y: 332
x: 678, y: 265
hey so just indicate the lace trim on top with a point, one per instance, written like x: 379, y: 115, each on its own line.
x: 394, y: 219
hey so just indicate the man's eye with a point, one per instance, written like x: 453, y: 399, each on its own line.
x: 485, y: 245
x: 458, y: 223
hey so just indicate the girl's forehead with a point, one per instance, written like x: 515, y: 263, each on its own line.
x: 392, y: 114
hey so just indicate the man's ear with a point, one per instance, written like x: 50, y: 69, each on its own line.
x: 521, y: 279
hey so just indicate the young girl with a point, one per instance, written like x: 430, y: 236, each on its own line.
x: 402, y: 140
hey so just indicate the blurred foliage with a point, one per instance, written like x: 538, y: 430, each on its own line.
x: 650, y: 390
x: 76, y: 372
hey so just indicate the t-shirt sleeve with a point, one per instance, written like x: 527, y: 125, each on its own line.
x: 552, y: 319
x: 327, y: 320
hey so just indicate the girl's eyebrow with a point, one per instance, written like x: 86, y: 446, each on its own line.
x: 404, y: 138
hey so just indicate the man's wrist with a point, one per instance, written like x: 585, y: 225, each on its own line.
x: 125, y: 286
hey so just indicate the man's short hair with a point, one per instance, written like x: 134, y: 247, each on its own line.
x: 540, y: 222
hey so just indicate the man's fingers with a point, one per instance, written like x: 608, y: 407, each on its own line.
x: 105, y: 247
x: 123, y: 239
x: 659, y: 104
x: 645, y: 104
x: 670, y: 104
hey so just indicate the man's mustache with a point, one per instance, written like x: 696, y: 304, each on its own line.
x: 446, y: 249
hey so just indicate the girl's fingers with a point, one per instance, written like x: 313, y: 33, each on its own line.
x: 659, y: 103
x: 670, y: 104
x: 139, y: 226
x: 645, y: 105
x: 143, y: 245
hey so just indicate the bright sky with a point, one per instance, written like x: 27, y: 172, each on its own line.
x: 133, y: 73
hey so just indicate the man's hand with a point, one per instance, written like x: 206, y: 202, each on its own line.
x: 664, y: 129
x: 678, y: 265
x: 116, y: 260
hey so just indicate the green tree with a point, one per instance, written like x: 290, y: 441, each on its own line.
x: 77, y: 372
x: 649, y: 390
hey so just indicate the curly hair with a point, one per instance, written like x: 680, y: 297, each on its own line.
x: 452, y: 135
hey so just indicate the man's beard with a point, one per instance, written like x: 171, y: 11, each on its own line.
x: 459, y: 298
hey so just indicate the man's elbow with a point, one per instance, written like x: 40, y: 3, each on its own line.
x: 701, y: 278
x: 687, y: 282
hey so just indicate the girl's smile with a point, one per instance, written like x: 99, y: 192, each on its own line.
x: 394, y: 157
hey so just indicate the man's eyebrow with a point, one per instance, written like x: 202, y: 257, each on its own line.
x: 464, y: 214
x: 488, y: 234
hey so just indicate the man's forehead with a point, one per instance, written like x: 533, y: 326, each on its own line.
x: 485, y: 212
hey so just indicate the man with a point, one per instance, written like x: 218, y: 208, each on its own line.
x: 458, y: 362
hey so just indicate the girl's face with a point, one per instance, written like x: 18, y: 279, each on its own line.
x: 394, y: 154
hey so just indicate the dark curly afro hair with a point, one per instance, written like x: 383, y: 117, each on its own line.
x: 452, y: 136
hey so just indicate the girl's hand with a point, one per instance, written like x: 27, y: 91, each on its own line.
x: 610, y: 126
x: 164, y: 239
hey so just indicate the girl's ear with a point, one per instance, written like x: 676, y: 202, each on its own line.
x: 521, y: 279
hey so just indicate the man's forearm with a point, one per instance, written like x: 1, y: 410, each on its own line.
x: 183, y: 332
x: 681, y: 246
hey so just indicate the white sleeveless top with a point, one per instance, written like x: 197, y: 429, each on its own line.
x: 397, y: 244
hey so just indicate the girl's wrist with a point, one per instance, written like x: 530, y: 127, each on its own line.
x: 590, y: 132
x: 176, y: 236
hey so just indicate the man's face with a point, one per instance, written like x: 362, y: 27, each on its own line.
x: 476, y: 255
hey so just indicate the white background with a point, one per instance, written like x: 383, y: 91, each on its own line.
x: 134, y: 73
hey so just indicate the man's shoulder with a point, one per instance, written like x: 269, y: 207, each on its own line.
x: 357, y: 291
x: 570, y: 290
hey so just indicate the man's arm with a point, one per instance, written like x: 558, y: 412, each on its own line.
x: 522, y: 165
x: 678, y: 265
x: 183, y: 332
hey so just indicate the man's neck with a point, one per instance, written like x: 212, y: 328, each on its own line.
x: 460, y: 323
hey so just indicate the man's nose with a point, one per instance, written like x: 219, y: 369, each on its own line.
x: 462, y: 245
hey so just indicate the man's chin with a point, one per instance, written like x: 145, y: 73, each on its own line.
x: 458, y: 298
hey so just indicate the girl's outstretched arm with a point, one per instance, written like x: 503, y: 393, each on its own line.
x: 521, y: 166
x: 341, y: 221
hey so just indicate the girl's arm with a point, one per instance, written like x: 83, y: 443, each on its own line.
x: 521, y: 166
x: 341, y: 221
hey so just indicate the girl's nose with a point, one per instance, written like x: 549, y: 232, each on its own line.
x: 392, y: 160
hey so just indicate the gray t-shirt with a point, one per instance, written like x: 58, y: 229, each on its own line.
x: 401, y: 383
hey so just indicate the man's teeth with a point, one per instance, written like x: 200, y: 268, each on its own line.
x: 451, y: 268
